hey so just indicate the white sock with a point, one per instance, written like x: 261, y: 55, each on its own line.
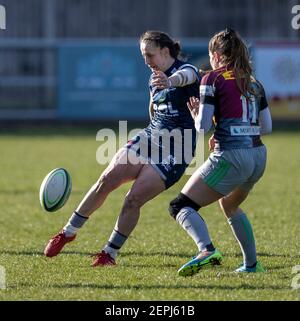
x: 112, y: 252
x: 196, y: 228
x: 70, y: 230
x: 75, y: 222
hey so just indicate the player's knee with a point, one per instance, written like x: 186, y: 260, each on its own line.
x: 180, y: 202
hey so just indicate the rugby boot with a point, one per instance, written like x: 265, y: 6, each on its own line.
x: 56, y: 244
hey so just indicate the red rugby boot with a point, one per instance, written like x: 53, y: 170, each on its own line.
x: 102, y: 259
x: 56, y: 244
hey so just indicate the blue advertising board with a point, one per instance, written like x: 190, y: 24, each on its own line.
x: 106, y: 81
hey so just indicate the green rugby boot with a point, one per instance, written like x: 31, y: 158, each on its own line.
x: 258, y: 268
x: 203, y: 259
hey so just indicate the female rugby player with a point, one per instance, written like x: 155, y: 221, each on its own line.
x: 237, y: 103
x: 144, y: 159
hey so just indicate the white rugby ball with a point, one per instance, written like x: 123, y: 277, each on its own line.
x: 55, y: 189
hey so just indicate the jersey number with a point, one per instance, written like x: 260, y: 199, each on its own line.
x: 249, y: 109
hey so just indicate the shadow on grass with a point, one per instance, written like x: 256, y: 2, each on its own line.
x: 41, y: 253
x: 155, y: 286
x: 278, y: 255
x: 263, y: 254
x: 90, y: 254
x: 156, y: 253
x: 142, y: 254
x: 189, y: 255
x: 147, y: 266
x: 128, y: 254
x: 14, y: 252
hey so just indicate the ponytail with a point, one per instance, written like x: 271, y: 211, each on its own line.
x: 235, y: 54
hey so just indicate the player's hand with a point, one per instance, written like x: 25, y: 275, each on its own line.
x: 211, y: 143
x: 160, y: 80
x: 193, y: 106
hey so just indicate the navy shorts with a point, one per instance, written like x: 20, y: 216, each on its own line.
x: 169, y: 155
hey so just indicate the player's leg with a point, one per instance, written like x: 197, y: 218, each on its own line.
x: 230, y: 203
x: 184, y: 209
x: 241, y: 228
x: 118, y: 172
x: 240, y: 224
x: 215, y: 178
x: 147, y: 185
x: 195, y: 194
x: 237, y: 219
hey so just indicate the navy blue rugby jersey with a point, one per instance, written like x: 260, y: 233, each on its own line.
x: 170, y: 104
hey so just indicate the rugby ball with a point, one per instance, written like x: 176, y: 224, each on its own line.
x: 55, y: 189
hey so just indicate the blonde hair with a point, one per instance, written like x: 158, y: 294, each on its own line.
x: 235, y: 54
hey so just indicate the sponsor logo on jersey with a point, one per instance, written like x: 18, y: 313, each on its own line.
x: 228, y: 75
x: 244, y: 130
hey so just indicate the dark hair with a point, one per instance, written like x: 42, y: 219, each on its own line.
x: 162, y: 40
x: 229, y: 44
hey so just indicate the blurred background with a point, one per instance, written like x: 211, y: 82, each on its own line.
x: 79, y: 60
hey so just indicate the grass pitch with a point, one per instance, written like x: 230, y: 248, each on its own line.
x: 148, y: 263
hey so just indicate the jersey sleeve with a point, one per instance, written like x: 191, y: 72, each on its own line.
x: 263, y: 103
x: 191, y: 67
x: 207, y: 90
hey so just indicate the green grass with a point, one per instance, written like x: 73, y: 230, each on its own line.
x: 148, y: 263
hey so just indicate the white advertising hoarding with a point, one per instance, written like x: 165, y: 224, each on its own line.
x: 277, y: 66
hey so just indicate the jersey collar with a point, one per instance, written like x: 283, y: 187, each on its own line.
x: 170, y: 70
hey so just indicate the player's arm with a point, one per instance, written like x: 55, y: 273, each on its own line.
x: 205, y: 117
x: 265, y: 121
x: 264, y: 118
x: 203, y: 109
x: 180, y: 78
x: 202, y: 114
x: 183, y: 77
